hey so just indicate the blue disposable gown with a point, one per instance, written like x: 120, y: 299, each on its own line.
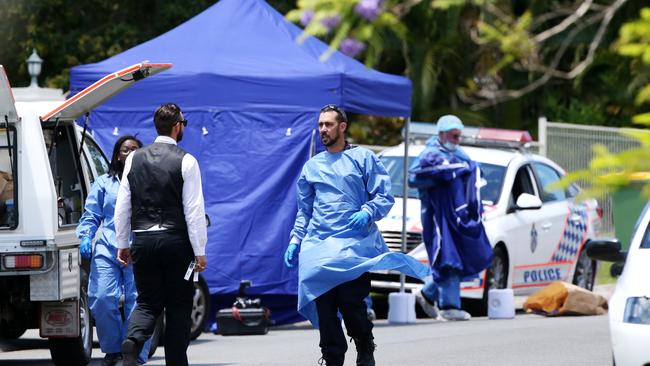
x: 453, y: 232
x: 331, y: 187
x: 108, y: 279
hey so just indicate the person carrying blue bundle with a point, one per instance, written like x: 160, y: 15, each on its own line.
x: 108, y: 279
x: 448, y: 182
x: 341, y: 193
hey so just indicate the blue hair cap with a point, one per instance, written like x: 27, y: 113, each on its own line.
x: 449, y: 122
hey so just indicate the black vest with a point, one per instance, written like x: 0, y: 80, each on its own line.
x: 156, y: 182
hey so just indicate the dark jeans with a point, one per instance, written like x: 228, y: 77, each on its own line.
x: 348, y: 299
x: 160, y: 260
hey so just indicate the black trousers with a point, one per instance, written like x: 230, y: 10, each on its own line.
x: 160, y: 260
x: 346, y: 298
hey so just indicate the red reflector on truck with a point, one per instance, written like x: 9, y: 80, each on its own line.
x: 27, y: 261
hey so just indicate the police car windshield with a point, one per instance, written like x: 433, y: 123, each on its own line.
x: 395, y: 167
x: 493, y: 174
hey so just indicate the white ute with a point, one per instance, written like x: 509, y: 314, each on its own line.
x: 47, y: 166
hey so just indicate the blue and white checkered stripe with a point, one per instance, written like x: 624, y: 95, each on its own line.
x: 573, y: 236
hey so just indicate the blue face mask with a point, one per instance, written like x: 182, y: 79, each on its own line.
x: 450, y: 146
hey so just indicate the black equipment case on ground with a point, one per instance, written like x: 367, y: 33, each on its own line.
x: 245, y: 317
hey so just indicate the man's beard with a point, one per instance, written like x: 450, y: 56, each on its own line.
x: 179, y: 137
x: 331, y: 141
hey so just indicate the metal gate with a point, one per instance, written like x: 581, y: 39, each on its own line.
x: 570, y: 146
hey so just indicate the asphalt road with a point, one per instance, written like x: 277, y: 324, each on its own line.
x: 526, y: 340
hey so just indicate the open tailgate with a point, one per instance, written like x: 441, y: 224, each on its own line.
x: 102, y: 90
x: 7, y: 103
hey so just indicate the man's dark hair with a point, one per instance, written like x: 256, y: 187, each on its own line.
x: 115, y: 168
x: 340, y: 113
x: 166, y: 116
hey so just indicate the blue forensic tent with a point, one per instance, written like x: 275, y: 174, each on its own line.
x: 252, y: 97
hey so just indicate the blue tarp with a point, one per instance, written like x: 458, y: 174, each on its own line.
x: 251, y: 95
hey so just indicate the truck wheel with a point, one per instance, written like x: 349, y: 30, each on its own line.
x: 76, y: 351
x: 12, y: 331
x: 200, y: 308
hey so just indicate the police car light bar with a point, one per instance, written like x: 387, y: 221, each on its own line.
x: 419, y: 132
x: 496, y: 137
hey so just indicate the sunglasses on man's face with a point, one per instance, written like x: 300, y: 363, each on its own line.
x: 335, y: 108
x: 183, y: 121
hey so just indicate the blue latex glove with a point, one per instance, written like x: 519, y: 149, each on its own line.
x: 359, y: 220
x: 86, y: 247
x: 291, y: 255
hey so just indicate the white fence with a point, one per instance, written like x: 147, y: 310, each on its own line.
x: 570, y: 146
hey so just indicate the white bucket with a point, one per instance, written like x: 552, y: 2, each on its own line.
x: 401, y: 308
x: 501, y: 304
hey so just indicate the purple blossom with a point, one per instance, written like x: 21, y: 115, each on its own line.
x: 306, y: 17
x: 369, y: 9
x: 351, y: 47
x: 330, y: 22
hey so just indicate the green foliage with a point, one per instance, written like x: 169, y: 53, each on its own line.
x: 372, y: 130
x: 450, y: 49
x: 634, y: 42
x: 512, y: 40
x: 67, y: 33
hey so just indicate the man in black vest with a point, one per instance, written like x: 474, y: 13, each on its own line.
x: 161, y: 202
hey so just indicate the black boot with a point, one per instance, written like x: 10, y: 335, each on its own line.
x: 365, y: 352
x: 330, y: 361
x: 129, y: 353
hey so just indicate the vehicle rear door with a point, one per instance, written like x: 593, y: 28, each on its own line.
x: 75, y: 167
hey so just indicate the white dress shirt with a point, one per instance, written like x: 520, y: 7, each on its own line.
x: 193, y: 204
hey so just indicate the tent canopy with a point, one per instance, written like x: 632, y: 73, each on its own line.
x: 252, y: 97
x: 243, y: 55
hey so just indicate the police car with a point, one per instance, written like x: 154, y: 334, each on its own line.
x: 537, y: 232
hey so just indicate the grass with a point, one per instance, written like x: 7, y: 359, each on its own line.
x: 602, y: 276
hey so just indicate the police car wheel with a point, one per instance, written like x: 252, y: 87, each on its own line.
x: 585, y: 272
x: 200, y: 308
x: 497, y: 276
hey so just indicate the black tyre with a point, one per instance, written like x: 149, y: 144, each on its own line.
x: 585, y: 272
x: 157, y: 336
x: 496, y: 277
x: 13, y: 329
x: 76, y: 351
x: 200, y: 308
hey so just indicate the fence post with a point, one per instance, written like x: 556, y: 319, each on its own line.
x: 541, y: 133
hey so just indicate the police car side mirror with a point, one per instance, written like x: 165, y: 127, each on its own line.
x: 527, y: 201
x: 607, y: 249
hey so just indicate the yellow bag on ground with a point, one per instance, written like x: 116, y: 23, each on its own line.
x: 561, y: 298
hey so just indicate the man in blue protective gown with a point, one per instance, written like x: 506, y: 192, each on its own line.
x: 108, y: 278
x: 453, y: 233
x: 341, y: 193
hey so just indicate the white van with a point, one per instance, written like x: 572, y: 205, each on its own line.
x: 47, y: 166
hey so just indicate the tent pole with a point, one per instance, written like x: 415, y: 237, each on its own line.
x: 402, y: 277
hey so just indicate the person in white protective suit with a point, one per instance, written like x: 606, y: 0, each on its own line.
x: 341, y: 193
